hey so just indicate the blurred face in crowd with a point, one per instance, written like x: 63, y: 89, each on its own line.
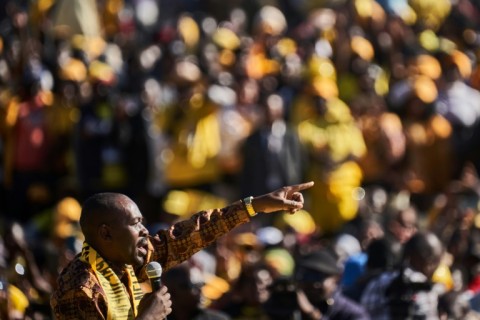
x: 254, y: 286
x: 318, y: 286
x: 404, y: 226
x: 423, y: 253
x: 370, y: 232
x: 249, y: 91
x: 186, y: 295
x: 275, y: 109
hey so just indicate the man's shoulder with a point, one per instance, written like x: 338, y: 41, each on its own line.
x: 78, y: 294
x: 77, y: 275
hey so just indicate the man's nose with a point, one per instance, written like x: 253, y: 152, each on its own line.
x: 144, y: 231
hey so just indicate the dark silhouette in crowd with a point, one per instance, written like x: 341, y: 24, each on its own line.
x: 400, y: 226
x: 408, y: 291
x: 313, y: 292
x: 272, y: 155
x: 458, y: 103
x: 186, y: 295
x: 380, y: 258
x: 248, y: 293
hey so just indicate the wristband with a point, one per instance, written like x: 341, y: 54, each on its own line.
x: 248, y: 206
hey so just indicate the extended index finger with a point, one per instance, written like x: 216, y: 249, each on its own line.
x: 301, y: 186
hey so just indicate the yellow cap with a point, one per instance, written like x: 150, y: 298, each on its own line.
x: 427, y: 65
x: 362, y: 47
x: 189, y: 31
x: 321, y: 67
x: 226, y: 39
x: 302, y: 222
x: 463, y: 63
x: 101, y: 72
x: 280, y: 260
x: 73, y: 70
x: 18, y: 300
x: 67, y: 211
x: 424, y: 88
x: 363, y: 8
x: 325, y: 88
x: 92, y: 46
x: 246, y: 239
x: 214, y: 287
x: 369, y: 9
x: 286, y: 46
x: 227, y: 57
x: 69, y: 208
x: 429, y: 40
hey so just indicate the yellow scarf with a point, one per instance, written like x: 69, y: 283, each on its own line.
x: 119, y: 303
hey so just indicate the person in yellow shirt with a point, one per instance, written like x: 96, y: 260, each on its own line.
x: 334, y: 143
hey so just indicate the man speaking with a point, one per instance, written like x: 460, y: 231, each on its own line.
x: 102, y: 282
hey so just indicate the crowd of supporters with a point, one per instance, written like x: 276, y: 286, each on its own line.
x: 187, y: 105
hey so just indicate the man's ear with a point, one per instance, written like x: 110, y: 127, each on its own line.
x: 104, y: 232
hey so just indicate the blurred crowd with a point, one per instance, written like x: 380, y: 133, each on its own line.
x: 187, y: 105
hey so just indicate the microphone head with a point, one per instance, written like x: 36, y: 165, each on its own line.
x: 154, y: 270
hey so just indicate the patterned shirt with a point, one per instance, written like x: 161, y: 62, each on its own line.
x: 79, y: 294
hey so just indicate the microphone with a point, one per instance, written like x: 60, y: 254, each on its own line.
x: 154, y: 272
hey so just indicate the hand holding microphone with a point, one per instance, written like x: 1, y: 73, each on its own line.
x: 154, y: 273
x: 157, y: 304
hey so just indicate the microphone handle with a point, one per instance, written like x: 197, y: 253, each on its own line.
x: 156, y: 284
